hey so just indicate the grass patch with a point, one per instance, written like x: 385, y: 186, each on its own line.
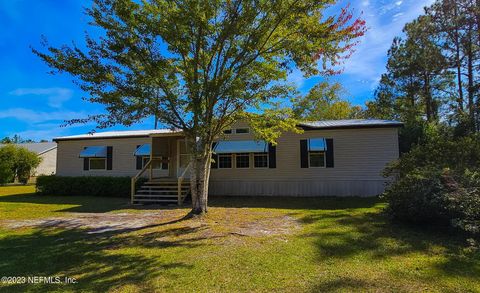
x: 244, y: 244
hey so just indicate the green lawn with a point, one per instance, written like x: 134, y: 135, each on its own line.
x: 242, y: 245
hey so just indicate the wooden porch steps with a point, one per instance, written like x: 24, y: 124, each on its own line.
x: 162, y: 191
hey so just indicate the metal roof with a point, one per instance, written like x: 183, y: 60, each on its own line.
x: 37, y: 147
x: 115, y: 134
x: 351, y: 123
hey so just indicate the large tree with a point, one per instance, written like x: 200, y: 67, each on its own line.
x: 198, y: 66
x: 325, y: 101
x: 417, y: 82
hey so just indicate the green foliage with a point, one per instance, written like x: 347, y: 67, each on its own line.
x: 17, y: 162
x: 197, y: 65
x: 200, y: 65
x: 7, y: 161
x: 85, y: 185
x: 432, y: 72
x: 438, y: 181
x: 324, y: 102
x: 16, y: 139
x: 25, y: 162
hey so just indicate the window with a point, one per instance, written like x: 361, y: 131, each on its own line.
x: 98, y: 163
x: 242, y: 130
x: 316, y: 158
x: 225, y: 161
x: 227, y: 131
x: 260, y: 160
x: 242, y: 160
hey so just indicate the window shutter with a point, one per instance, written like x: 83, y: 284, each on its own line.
x: 214, y: 157
x: 109, y: 157
x: 329, y: 154
x: 303, y: 153
x: 139, y: 160
x: 85, y: 164
x: 272, y: 156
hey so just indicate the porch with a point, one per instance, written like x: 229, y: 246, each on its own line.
x: 165, y: 166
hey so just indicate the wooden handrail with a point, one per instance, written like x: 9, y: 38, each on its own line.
x: 179, y: 186
x: 135, y: 178
x: 140, y: 173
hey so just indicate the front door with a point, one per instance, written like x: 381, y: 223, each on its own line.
x: 182, y: 158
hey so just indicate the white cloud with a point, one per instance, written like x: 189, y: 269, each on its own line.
x: 398, y: 3
x: 45, y: 125
x: 56, y: 95
x: 31, y: 116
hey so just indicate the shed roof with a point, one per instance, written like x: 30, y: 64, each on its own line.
x: 37, y: 147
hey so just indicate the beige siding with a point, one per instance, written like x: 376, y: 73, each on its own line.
x: 360, y: 155
x: 123, y: 160
x: 48, y: 164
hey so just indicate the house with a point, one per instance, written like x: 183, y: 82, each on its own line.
x: 330, y: 158
x: 45, y: 150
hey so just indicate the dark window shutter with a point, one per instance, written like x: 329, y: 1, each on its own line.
x: 303, y: 153
x: 272, y: 156
x: 329, y: 157
x: 214, y: 157
x: 139, y: 160
x: 109, y: 157
x: 86, y: 164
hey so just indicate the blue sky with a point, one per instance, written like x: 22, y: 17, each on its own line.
x: 34, y: 103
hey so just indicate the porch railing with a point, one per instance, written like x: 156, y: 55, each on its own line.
x: 148, y: 166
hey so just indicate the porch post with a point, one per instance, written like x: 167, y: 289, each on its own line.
x: 151, y: 156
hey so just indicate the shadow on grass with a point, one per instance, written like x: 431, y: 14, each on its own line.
x: 83, y: 204
x: 347, y: 235
x: 313, y: 203
x: 91, y: 204
x: 100, y: 263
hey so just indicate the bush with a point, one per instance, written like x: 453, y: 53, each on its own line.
x: 440, y: 197
x: 7, y: 161
x: 438, y: 181
x: 417, y: 197
x: 17, y: 162
x: 84, y: 185
x: 25, y: 162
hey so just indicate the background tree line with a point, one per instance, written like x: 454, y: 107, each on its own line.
x: 433, y: 72
x: 432, y: 85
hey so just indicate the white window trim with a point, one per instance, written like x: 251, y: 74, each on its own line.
x: 263, y: 154
x: 249, y: 161
x: 324, y: 159
x: 248, y: 130
x: 226, y: 155
x: 90, y: 169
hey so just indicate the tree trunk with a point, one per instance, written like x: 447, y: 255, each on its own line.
x: 199, y: 178
x: 428, y: 98
x: 470, y: 77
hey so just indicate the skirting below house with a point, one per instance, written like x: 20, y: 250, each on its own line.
x: 312, y: 188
